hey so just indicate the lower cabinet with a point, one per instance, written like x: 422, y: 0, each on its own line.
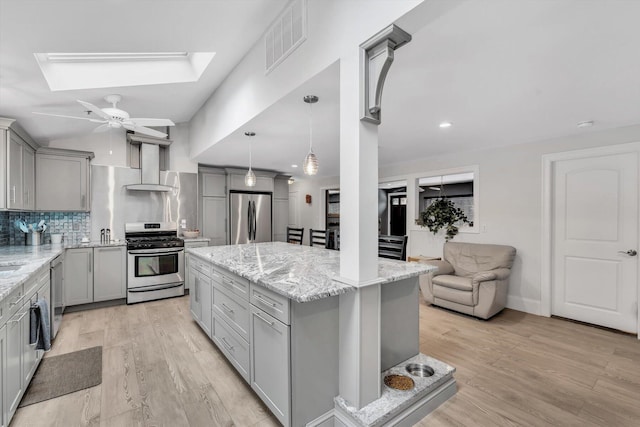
x: 19, y: 358
x: 200, y: 293
x: 13, y: 374
x: 95, y: 274
x: 109, y: 273
x: 277, y: 345
x: 270, y: 376
x: 3, y: 370
x: 78, y: 275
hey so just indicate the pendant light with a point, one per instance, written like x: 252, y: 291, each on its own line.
x: 310, y: 165
x: 250, y: 177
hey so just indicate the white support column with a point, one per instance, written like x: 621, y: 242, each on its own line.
x: 362, y: 74
x: 359, y: 311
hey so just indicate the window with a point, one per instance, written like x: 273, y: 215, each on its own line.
x: 461, y: 187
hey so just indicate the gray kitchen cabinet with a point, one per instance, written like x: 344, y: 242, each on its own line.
x: 264, y: 180
x: 194, y: 292
x: 29, y: 353
x: 214, y: 183
x: 28, y: 178
x: 3, y: 370
x: 13, y: 378
x: 206, y: 300
x: 18, y: 358
x: 214, y: 219
x: 16, y: 159
x: 14, y: 172
x: 280, y: 219
x: 63, y: 180
x: 280, y: 208
x: 270, y: 376
x: 110, y: 273
x: 288, y: 345
x: 188, y: 245
x: 78, y: 274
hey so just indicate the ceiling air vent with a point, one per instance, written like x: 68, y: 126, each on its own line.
x: 285, y: 35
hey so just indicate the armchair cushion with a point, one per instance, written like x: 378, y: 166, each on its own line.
x: 454, y: 282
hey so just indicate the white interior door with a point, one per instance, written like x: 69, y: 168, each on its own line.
x: 594, y: 222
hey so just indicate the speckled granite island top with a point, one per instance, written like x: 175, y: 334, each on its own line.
x: 301, y: 273
x: 27, y: 259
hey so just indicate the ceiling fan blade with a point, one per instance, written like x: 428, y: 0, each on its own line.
x: 102, y: 128
x: 97, y: 111
x: 152, y: 122
x: 70, y: 117
x: 143, y: 130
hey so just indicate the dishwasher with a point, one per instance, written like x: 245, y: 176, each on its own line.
x: 57, y: 293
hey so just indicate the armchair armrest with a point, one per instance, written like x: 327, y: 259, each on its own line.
x: 486, y: 276
x: 443, y: 267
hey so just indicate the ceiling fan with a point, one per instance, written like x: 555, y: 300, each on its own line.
x: 115, y: 118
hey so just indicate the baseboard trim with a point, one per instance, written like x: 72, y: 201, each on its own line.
x: 527, y: 305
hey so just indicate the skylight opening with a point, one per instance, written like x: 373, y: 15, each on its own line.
x: 114, y: 56
x: 93, y: 70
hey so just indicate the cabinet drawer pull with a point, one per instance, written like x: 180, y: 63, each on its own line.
x: 227, y: 308
x: 265, y: 301
x: 19, y: 318
x: 226, y: 344
x: 16, y: 302
x: 268, y: 322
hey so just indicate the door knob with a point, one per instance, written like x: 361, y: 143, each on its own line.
x: 630, y: 252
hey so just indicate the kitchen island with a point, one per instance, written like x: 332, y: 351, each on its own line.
x: 273, y: 310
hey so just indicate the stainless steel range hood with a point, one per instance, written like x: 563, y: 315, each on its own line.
x: 149, y: 163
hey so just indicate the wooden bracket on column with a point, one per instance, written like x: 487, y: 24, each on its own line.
x: 376, y: 58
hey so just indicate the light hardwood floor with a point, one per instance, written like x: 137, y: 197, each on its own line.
x: 160, y: 369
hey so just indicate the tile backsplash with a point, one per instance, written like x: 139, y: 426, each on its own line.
x: 73, y: 225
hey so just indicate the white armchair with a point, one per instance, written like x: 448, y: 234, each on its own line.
x: 472, y: 278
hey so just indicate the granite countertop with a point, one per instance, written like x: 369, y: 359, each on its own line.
x: 28, y: 259
x: 95, y: 244
x: 196, y: 239
x: 301, y: 273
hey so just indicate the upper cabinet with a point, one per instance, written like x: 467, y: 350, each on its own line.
x: 17, y: 189
x: 264, y: 180
x: 63, y: 180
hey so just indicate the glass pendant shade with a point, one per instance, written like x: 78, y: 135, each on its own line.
x: 310, y: 165
x: 250, y: 179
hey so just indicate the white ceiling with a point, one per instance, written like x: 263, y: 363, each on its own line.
x: 227, y: 27
x: 504, y: 72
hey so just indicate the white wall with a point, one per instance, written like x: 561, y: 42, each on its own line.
x: 510, y: 202
x: 110, y: 148
x: 333, y: 27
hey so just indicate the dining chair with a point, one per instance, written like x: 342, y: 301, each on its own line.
x: 294, y: 235
x: 392, y: 247
x: 317, y: 237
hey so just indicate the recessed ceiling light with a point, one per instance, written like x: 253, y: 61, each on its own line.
x: 445, y: 125
x: 294, y: 166
x: 585, y: 124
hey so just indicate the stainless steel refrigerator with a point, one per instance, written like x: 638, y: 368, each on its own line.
x: 250, y: 217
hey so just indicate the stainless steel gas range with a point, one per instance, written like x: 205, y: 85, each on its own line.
x: 155, y: 261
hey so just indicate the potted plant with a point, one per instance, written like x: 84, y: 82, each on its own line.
x: 442, y: 213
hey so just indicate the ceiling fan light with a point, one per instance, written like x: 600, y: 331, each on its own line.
x: 310, y: 165
x: 250, y: 179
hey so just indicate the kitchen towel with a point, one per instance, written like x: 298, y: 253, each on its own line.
x: 40, y: 325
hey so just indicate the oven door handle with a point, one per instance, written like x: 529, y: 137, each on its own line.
x: 154, y: 288
x: 156, y: 251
